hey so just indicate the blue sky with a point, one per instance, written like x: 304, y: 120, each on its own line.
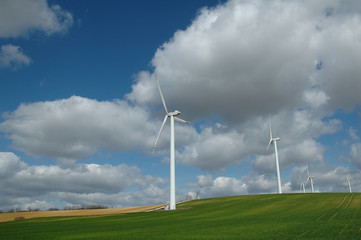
x: 80, y: 109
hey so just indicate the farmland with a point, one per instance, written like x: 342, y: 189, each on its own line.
x: 286, y: 216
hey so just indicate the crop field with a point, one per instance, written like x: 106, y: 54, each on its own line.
x: 276, y: 216
x: 71, y: 213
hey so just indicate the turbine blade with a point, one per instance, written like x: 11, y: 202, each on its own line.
x: 308, y: 172
x: 160, y: 132
x: 270, y: 134
x: 270, y: 142
x: 161, y: 94
x: 270, y: 131
x: 181, y: 120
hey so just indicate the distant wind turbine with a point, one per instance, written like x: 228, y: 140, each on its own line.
x: 274, y: 142
x: 197, y: 195
x: 172, y: 116
x: 349, y: 183
x: 309, y: 178
x: 302, y: 184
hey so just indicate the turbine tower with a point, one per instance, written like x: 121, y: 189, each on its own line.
x: 349, y: 183
x: 172, y: 116
x: 309, y: 177
x: 274, y: 142
x: 302, y: 184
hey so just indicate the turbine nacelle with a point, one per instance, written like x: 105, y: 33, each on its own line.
x: 175, y: 113
x: 271, y: 139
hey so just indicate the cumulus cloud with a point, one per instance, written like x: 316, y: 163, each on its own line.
x: 260, y: 56
x: 85, y: 184
x: 218, y: 187
x: 10, y: 164
x: 18, y: 18
x: 212, y: 150
x: 261, y: 184
x: 242, y: 61
x: 12, y: 57
x: 355, y: 155
x: 353, y: 134
x: 315, y: 98
x: 77, y: 127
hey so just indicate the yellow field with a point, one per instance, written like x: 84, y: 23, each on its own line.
x: 5, y: 217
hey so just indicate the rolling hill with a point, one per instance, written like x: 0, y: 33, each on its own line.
x: 274, y: 216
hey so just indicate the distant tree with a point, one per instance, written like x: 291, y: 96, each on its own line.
x: 53, y: 209
x: 96, y: 207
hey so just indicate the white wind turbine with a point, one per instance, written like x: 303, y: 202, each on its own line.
x: 309, y: 178
x: 349, y: 183
x: 274, y: 142
x: 197, y: 195
x: 302, y: 184
x: 172, y: 116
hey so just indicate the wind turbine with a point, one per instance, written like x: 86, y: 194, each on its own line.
x: 197, y: 195
x: 172, y: 116
x: 309, y: 177
x: 349, y: 183
x: 302, y: 184
x: 274, y: 142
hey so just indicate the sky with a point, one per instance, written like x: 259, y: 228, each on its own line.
x: 80, y: 109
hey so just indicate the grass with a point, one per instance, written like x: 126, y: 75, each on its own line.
x: 286, y: 216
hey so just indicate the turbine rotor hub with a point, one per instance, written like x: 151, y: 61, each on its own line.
x: 175, y: 113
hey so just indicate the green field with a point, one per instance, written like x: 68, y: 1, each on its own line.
x: 286, y: 216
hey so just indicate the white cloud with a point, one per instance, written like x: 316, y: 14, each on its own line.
x: 37, y: 204
x: 355, y: 155
x: 10, y: 164
x: 26, y: 186
x: 245, y: 59
x: 353, y: 134
x: 12, y: 57
x: 261, y: 184
x: 308, y: 151
x: 77, y: 127
x: 213, y: 150
x: 218, y: 146
x: 315, y: 98
x: 18, y: 18
x: 219, y: 187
